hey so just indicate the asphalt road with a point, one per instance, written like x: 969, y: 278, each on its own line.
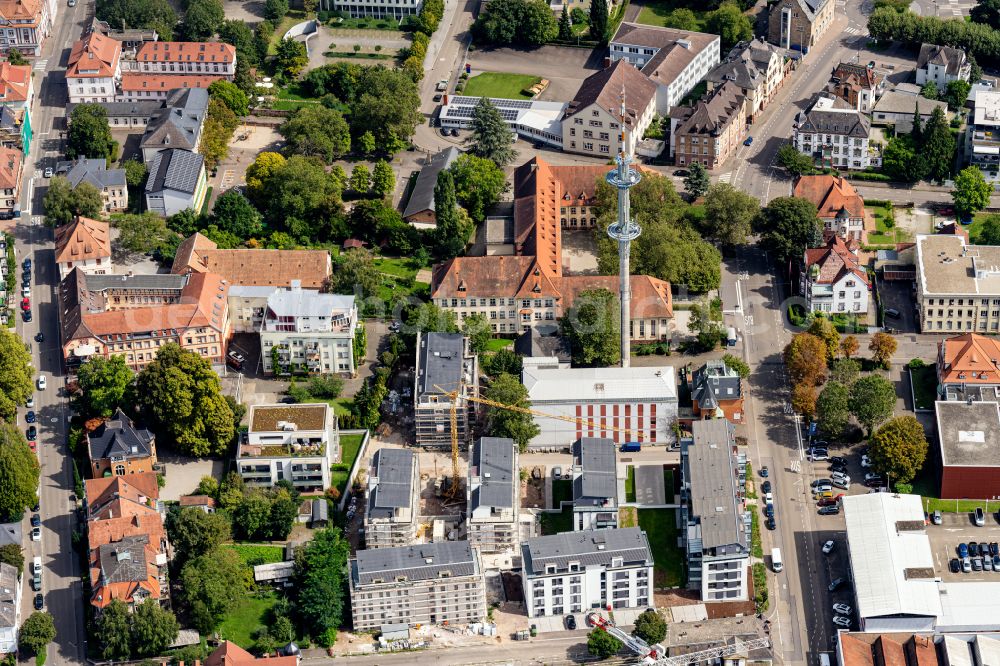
x: 61, y: 583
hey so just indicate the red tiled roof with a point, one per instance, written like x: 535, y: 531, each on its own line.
x: 651, y: 297
x: 22, y: 10
x: 186, y: 52
x: 231, y: 654
x: 10, y: 169
x: 830, y: 195
x: 94, y: 56
x: 969, y: 359
x: 15, y: 82
x: 166, y: 82
x: 257, y: 267
x: 834, y: 261
x: 82, y: 239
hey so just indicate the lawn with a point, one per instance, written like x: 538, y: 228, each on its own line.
x: 556, y: 523
x: 400, y: 267
x: 660, y: 526
x: 499, y: 84
x: 350, y: 445
x: 659, y: 15
x: 208, y: 201
x: 496, y: 344
x: 924, y: 380
x: 668, y: 483
x: 974, y: 229
x: 562, y: 491
x: 253, y: 554
x: 884, y: 234
x: 630, y: 484
x: 398, y: 279
x: 249, y: 614
x: 341, y: 406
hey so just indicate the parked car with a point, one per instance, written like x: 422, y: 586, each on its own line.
x: 973, y: 548
x: 827, y: 501
x: 838, y: 467
x: 838, y: 460
x: 39, y: 601
x: 841, y: 621
x: 892, y: 312
x: 979, y: 517
x: 963, y: 550
x: 874, y: 481
x: 48, y: 172
x: 36, y: 582
x: 842, y: 609
x: 996, y: 563
x: 29, y: 417
x: 984, y: 548
x: 988, y: 563
x: 841, y: 484
x: 818, y: 456
x: 769, y: 511
x: 823, y: 488
x: 829, y: 510
x: 31, y: 433
x: 768, y: 498
x: 763, y: 472
x: 955, y: 565
x: 570, y: 622
x: 966, y: 565
x: 682, y: 173
x: 977, y: 564
x: 31, y: 403
x: 748, y: 141
x: 36, y: 533
x: 39, y: 337
x: 765, y: 487
x: 841, y: 475
x: 437, y: 98
x: 936, y: 518
x: 828, y: 547
x: 26, y: 264
x: 994, y: 548
x: 835, y: 583
x: 26, y: 315
x: 866, y: 461
x: 36, y: 520
x: 41, y: 382
x: 821, y: 482
x: 769, y: 523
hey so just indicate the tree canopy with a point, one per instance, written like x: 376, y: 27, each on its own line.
x: 37, y: 632
x: 194, y: 533
x: 479, y: 182
x: 316, y: 131
x: 832, y: 409
x: 872, y: 401
x: 210, y: 585
x: 516, y: 22
x: 320, y: 576
x: 650, y: 626
x: 157, y: 15
x: 518, y: 426
x: 63, y: 202
x: 19, y: 470
x: 592, y: 327
x: 104, y: 383
x: 601, y: 644
x: 229, y: 94
x: 89, y: 134
x: 805, y: 359
x: 882, y: 347
x: 972, y: 191
x: 898, y: 448
x: 729, y: 22
x: 729, y: 214
x: 697, y: 182
x: 16, y: 374
x: 787, y: 226
x: 491, y: 137
x: 202, y: 19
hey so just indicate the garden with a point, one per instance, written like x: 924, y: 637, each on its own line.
x: 886, y: 230
x: 500, y: 84
x: 662, y: 532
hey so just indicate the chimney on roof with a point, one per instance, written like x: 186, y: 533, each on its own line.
x: 296, y: 285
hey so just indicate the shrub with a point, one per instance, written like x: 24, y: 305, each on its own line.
x: 915, y: 363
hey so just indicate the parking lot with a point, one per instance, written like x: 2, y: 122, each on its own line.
x: 960, y: 528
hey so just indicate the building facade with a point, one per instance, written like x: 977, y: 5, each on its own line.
x: 833, y: 133
x: 26, y: 24
x: 968, y: 436
x: 716, y: 522
x: 291, y: 442
x: 941, y: 65
x: 712, y: 130
x: 431, y: 583
x: 10, y: 608
x: 177, y: 181
x: 117, y: 447
x: 574, y: 572
x: 11, y: 167
x: 958, y: 285
x: 110, y: 183
x: 839, y: 206
x: 444, y: 365
x: 858, y: 85
x: 799, y: 24
x: 595, y: 484
x: 833, y: 279
x: 982, y: 138
x: 184, y: 58
x: 757, y: 68
x: 94, y: 71
x: 717, y: 392
x: 395, y: 9
x: 493, y: 495
x: 393, y: 499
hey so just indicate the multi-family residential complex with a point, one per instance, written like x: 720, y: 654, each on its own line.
x: 303, y: 328
x: 573, y: 572
x: 176, y: 182
x: 982, y: 137
x: 290, y: 442
x: 430, y: 583
x: 493, y: 493
x: 623, y: 404
x: 958, y: 285
x: 109, y: 182
x: 84, y: 244
x: 717, y: 392
x: 595, y: 484
x: 393, y: 499
x: 26, y: 24
x: 941, y: 65
x: 10, y: 607
x: 712, y: 130
x: 799, y: 24
x: 11, y: 168
x: 834, y: 133
x: 134, y: 315
x: 444, y: 366
x: 675, y: 60
x: 839, y: 206
x: 857, y: 84
x: 757, y: 68
x: 94, y: 71
x: 117, y: 447
x: 716, y: 522
x: 833, y: 279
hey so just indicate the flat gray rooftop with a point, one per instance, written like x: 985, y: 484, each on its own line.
x: 713, y: 484
x: 596, y: 456
x: 493, y: 460
x: 969, y: 433
x: 421, y: 562
x: 440, y: 361
x: 394, y: 470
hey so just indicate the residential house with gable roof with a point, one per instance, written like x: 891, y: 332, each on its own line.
x: 177, y: 124
x: 833, y: 133
x: 858, y: 85
x: 11, y: 167
x: 176, y: 182
x: 16, y: 97
x: 833, y: 279
x: 231, y: 654
x: 941, y: 65
x: 117, y: 447
x: 839, y: 206
x: 85, y: 244
x: 717, y: 392
x: 968, y: 364
x: 94, y: 71
x: 758, y: 68
x: 110, y: 183
x: 712, y: 130
x: 799, y: 24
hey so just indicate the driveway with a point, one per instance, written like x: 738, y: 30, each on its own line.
x: 564, y: 66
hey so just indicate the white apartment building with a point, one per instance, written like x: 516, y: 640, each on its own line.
x: 10, y: 607
x: 717, y: 524
x: 444, y: 365
x: 595, y: 484
x: 573, y: 572
x: 982, y: 138
x: 493, y: 494
x: 958, y: 285
x: 306, y: 329
x: 393, y: 499
x: 394, y: 9
x: 293, y: 442
x: 429, y: 583
x: 834, y: 133
x: 94, y: 71
x: 641, y: 402
x: 833, y: 279
x: 941, y: 65
x: 675, y: 60
x: 209, y: 58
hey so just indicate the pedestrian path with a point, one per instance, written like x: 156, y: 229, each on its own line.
x: 41, y: 65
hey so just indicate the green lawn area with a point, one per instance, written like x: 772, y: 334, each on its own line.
x: 562, y: 491
x: 927, y: 484
x: 884, y: 234
x: 395, y: 266
x: 208, y: 201
x: 496, y: 344
x: 398, y: 278
x: 499, y: 84
x: 249, y: 614
x: 350, y: 445
x: 630, y: 484
x: 924, y: 386
x: 556, y: 523
x: 660, y: 526
x: 659, y: 15
x: 341, y: 406
x: 668, y: 483
x: 294, y: 16
x: 256, y: 554
x: 976, y: 227
x: 292, y: 97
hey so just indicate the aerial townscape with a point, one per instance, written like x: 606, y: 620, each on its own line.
x: 509, y: 332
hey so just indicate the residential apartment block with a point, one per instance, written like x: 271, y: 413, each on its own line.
x: 109, y: 182
x: 857, y: 84
x: 799, y: 24
x: 85, y: 244
x: 94, y: 71
x: 134, y: 315
x: 306, y: 329
x: 712, y: 130
x: 444, y: 365
x: 430, y: 583
x: 26, y: 24
x: 958, y: 285
x: 184, y: 58
x: 757, y: 68
x: 177, y: 124
x: 713, y: 513
x: 393, y: 499
x: 11, y: 168
x: 176, y: 182
x: 493, y: 494
x: 833, y: 279
x: 839, y: 206
x: 717, y: 392
x: 941, y: 65
x: 640, y: 403
x: 833, y: 133
x: 574, y: 572
x: 674, y: 60
x: 289, y: 442
x: 982, y: 137
x: 117, y: 447
x: 595, y: 484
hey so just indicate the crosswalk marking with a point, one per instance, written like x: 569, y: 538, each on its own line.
x: 41, y: 64
x: 726, y: 177
x: 855, y: 31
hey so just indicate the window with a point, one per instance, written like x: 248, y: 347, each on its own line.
x: 119, y: 470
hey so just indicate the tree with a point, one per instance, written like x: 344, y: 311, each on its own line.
x: 502, y: 360
x: 385, y: 102
x: 302, y: 199
x: 593, y: 328
x: 275, y: 10
x: 135, y: 172
x: 230, y: 95
x: 89, y: 134
x: 682, y: 18
x: 262, y: 34
x: 849, y: 346
x: 729, y: 22
x: 37, y: 632
x: 989, y: 233
x: 210, y: 585
x: 872, y: 401
x: 104, y: 383
x: 450, y: 234
x: 233, y: 213
x: 987, y: 12
x: 565, y: 27
x: 154, y: 628
x: 479, y: 182
x: 320, y: 576
x: 87, y: 201
x: 12, y: 554
x: 251, y: 516
x: 787, y: 226
x: 882, y: 347
x: 902, y: 161
x: 181, y: 394
x: 491, y: 138
x: 601, y: 644
x: 145, y: 233
x: 677, y: 254
x: 315, y: 130
x: 518, y: 22
x: 957, y: 93
x: 805, y: 359
x: 696, y: 183
x: 832, y: 409
x: 650, y: 627
x: 929, y: 90
x: 706, y: 322
x: 804, y: 399
x: 240, y: 35
x: 290, y: 57
x: 19, y: 470
x: 794, y: 162
x: 480, y: 333
x: 938, y: 146
x: 264, y: 166
x: 202, y: 19
x: 824, y: 329
x: 194, y: 533
x: 845, y: 371
x: 356, y: 274
x: 383, y: 179
x: 361, y: 179
x: 15, y: 57
x: 598, y: 15
x: 972, y: 191
x: 149, y: 14
x: 898, y: 448
x: 16, y: 374
x: 62, y: 202
x: 519, y: 426
x: 736, y: 363
x: 729, y: 214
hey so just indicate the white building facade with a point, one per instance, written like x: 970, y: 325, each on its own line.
x: 833, y: 133
x: 303, y: 328
x: 293, y: 442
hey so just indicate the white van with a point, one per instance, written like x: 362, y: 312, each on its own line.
x: 36, y: 565
x: 776, y: 564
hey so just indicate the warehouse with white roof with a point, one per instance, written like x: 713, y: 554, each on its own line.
x: 622, y: 404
